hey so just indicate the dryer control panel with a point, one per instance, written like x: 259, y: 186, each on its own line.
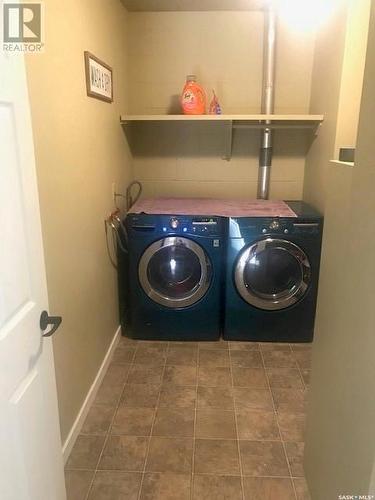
x: 289, y: 226
x: 253, y: 226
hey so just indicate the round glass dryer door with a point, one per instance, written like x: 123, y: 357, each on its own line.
x: 272, y: 274
x: 175, y: 272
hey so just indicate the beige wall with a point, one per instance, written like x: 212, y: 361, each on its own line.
x: 340, y: 441
x: 225, y: 50
x: 352, y: 74
x: 336, y: 90
x: 325, y: 94
x: 80, y: 151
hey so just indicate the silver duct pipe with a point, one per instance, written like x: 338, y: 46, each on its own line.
x: 268, y: 96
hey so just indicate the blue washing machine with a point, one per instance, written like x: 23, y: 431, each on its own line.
x: 175, y: 280
x: 272, y: 276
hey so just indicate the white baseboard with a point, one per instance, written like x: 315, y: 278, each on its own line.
x: 82, y: 414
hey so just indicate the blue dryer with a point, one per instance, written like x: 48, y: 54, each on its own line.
x: 175, y: 276
x: 272, y: 276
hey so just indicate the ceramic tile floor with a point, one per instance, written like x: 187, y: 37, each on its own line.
x: 181, y: 421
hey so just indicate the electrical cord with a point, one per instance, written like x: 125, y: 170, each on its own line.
x: 117, y: 236
x: 114, y: 264
x: 124, y: 232
x: 117, y: 242
x: 129, y: 200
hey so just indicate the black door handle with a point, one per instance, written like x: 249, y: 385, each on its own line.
x: 46, y: 320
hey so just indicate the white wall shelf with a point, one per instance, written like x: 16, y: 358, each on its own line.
x: 343, y: 163
x: 258, y: 119
x: 231, y: 122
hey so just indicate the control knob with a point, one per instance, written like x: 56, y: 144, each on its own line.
x: 275, y: 224
x: 174, y: 223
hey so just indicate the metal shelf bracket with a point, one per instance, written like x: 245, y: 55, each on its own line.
x: 228, y: 140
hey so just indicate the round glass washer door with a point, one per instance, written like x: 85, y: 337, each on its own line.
x: 175, y: 272
x: 272, y: 274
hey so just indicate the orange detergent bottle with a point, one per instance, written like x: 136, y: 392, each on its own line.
x: 193, y: 99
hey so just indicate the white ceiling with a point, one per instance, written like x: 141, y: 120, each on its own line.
x: 192, y: 5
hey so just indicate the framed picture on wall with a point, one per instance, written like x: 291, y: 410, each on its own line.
x: 99, y: 82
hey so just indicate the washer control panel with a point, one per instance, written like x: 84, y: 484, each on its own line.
x: 169, y: 225
x: 204, y: 226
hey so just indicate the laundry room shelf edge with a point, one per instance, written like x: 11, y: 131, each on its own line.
x: 235, y: 121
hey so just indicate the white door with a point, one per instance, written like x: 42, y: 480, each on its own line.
x: 31, y: 466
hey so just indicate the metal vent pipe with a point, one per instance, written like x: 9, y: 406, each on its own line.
x: 268, y: 96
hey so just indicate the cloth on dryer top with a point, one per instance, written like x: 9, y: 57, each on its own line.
x: 213, y: 206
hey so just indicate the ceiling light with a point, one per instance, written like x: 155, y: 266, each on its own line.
x: 305, y: 15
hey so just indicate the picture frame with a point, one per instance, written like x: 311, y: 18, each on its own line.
x: 99, y: 78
